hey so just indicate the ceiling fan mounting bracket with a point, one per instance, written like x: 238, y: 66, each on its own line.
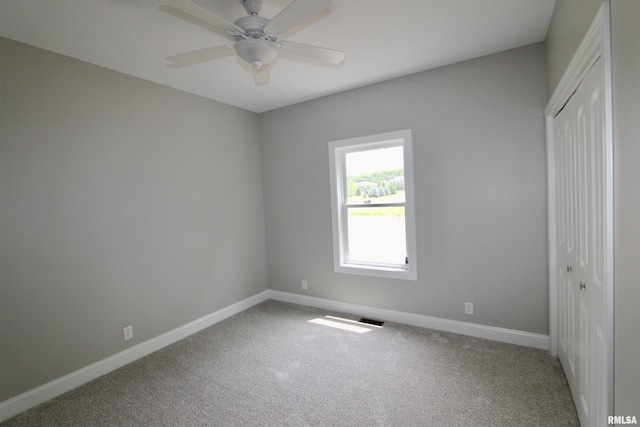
x: 253, y: 7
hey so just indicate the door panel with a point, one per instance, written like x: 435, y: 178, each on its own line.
x: 565, y: 202
x: 581, y: 191
x: 591, y: 92
x: 583, y: 247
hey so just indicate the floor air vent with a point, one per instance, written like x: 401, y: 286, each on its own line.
x: 371, y: 322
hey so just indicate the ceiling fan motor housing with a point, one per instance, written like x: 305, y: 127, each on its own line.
x: 253, y: 26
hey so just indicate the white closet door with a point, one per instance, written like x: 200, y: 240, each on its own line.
x: 581, y: 190
x: 592, y: 255
x: 566, y: 239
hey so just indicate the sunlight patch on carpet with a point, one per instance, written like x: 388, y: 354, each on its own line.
x: 343, y: 324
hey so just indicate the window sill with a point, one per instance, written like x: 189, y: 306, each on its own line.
x: 377, y: 271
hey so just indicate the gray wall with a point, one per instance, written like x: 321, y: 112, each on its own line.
x: 478, y: 135
x: 122, y: 203
x: 625, y: 17
x: 570, y: 22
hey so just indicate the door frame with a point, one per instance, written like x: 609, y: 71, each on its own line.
x: 596, y: 44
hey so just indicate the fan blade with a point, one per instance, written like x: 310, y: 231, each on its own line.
x: 295, y: 13
x: 198, y: 56
x: 261, y: 77
x: 203, y: 15
x: 329, y: 56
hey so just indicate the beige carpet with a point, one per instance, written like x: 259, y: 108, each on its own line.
x: 280, y: 364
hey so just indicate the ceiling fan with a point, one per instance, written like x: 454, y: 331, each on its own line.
x: 258, y: 40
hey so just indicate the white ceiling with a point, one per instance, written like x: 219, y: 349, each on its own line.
x: 383, y: 39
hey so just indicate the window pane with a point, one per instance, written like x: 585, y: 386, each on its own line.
x: 375, y: 176
x: 377, y: 235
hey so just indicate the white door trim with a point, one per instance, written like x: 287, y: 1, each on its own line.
x: 596, y: 44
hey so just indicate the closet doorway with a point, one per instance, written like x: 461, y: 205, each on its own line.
x: 579, y: 150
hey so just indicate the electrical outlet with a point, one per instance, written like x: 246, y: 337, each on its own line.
x: 128, y: 332
x: 468, y: 308
x: 304, y: 284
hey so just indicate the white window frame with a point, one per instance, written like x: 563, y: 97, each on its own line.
x: 339, y: 197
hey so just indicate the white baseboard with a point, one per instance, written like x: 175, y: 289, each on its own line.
x: 510, y: 336
x: 41, y: 394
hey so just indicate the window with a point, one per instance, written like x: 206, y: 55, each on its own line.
x: 372, y: 205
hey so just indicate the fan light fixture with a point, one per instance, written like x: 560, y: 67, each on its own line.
x: 258, y: 53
